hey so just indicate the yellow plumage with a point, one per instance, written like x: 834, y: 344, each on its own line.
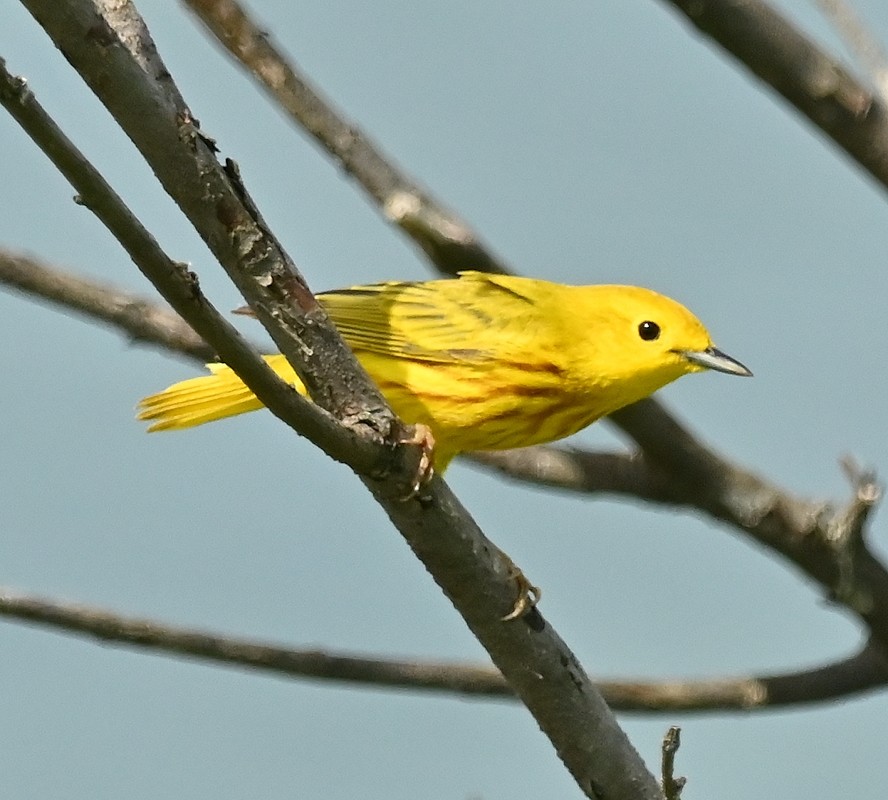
x: 487, y: 362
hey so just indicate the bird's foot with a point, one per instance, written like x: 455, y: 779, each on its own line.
x: 528, y: 594
x: 421, y: 436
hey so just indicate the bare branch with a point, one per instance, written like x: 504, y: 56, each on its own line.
x: 142, y: 319
x: 585, y: 472
x: 110, y: 47
x: 778, y: 54
x: 652, y: 444
x: 684, y: 474
x: 814, y: 82
x: 675, y: 468
x: 113, y: 627
x: 672, y: 786
x: 176, y: 283
x: 557, y: 467
x: 862, y: 672
x: 448, y: 241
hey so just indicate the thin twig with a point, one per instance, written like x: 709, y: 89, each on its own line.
x: 448, y: 241
x: 143, y: 320
x: 827, y: 543
x: 810, y: 79
x: 177, y: 284
x: 672, y: 786
x: 861, y: 672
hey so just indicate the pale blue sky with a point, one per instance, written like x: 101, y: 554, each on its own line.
x: 588, y: 142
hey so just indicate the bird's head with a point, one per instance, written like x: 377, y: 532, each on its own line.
x: 642, y: 340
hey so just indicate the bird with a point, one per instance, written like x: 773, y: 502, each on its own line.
x: 485, y: 361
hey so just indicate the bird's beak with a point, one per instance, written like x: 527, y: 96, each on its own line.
x: 712, y: 358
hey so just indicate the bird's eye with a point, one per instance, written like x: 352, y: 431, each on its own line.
x: 649, y: 331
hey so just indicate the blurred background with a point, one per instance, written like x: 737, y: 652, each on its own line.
x: 588, y: 143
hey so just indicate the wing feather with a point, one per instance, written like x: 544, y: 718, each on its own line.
x: 472, y: 318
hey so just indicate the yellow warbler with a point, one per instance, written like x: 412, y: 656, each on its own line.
x: 486, y: 362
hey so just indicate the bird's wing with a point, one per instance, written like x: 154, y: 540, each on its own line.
x: 442, y: 321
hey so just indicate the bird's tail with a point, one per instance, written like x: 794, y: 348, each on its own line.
x: 208, y: 398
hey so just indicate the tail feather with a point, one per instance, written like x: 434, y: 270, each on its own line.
x: 210, y: 397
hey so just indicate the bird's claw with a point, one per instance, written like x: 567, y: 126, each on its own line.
x: 528, y: 594
x: 425, y: 470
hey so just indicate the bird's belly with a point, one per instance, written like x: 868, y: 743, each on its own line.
x: 470, y: 408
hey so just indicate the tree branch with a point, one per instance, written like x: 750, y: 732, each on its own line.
x: 851, y: 575
x: 826, y: 543
x: 775, y: 51
x: 448, y: 241
x: 811, y: 80
x: 108, y: 44
x: 143, y: 320
x: 175, y: 282
x: 672, y: 786
x: 780, y: 54
x: 864, y: 671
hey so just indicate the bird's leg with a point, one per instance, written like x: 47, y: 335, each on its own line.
x: 528, y: 594
x: 421, y: 436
